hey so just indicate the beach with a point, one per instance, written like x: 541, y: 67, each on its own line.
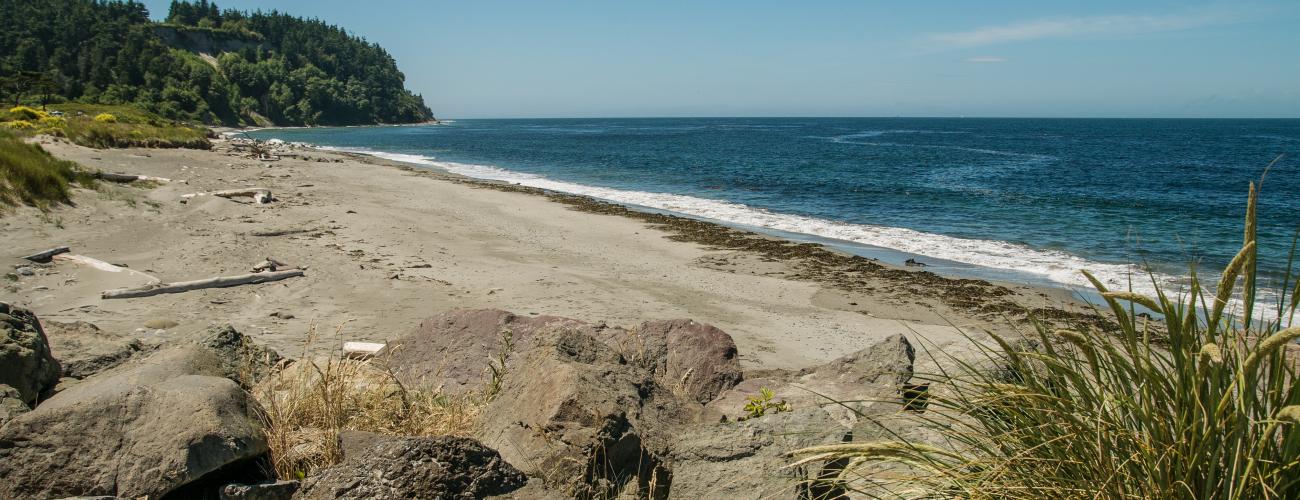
x: 385, y: 245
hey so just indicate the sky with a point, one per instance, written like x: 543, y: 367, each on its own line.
x: 1103, y: 58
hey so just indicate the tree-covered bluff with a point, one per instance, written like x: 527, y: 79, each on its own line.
x: 202, y: 64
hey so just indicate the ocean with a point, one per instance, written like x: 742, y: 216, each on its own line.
x: 1020, y: 200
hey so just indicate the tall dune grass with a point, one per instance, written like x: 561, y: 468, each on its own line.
x: 1198, y: 406
x: 29, y: 175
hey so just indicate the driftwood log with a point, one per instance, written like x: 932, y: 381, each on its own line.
x: 103, y: 266
x: 260, y: 195
x: 185, y: 286
x: 45, y: 256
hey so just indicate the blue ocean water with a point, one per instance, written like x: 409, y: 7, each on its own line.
x: 1024, y: 198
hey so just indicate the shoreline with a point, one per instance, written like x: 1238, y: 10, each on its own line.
x: 387, y: 244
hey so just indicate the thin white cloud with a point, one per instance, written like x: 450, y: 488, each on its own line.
x: 1118, y: 25
x: 985, y: 59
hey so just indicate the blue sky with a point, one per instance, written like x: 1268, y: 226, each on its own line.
x: 485, y: 59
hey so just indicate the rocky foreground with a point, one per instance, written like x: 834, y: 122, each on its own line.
x: 578, y: 409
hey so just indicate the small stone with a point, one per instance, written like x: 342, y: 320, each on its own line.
x: 25, y: 271
x: 159, y: 324
x: 279, y: 490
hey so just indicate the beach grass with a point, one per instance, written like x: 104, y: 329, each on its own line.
x: 1202, y: 405
x: 29, y: 175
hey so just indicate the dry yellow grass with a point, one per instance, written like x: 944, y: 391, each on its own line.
x: 307, y: 404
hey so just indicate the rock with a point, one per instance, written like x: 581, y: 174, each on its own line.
x: 85, y: 350
x: 748, y: 459
x: 694, y: 360
x: 26, y: 363
x: 242, y: 360
x: 159, y: 324
x: 452, y: 349
x: 415, y: 468
x: 872, y: 374
x: 11, y: 404
x: 149, y: 427
x: 24, y: 271
x: 279, y: 490
x: 572, y: 411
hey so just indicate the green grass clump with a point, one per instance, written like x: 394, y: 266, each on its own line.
x: 29, y: 175
x: 1203, y: 405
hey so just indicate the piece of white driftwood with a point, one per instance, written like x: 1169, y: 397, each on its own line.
x: 361, y: 349
x: 185, y: 286
x: 260, y: 195
x: 269, y: 265
x: 102, y: 266
x: 46, y: 255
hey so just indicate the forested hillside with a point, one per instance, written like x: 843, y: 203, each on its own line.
x: 201, y: 64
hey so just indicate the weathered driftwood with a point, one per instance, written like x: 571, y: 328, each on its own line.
x: 361, y: 350
x: 185, y: 286
x: 281, y: 232
x: 45, y: 256
x: 116, y: 177
x: 103, y: 266
x: 260, y: 195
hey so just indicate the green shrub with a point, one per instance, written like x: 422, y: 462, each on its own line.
x: 105, y: 118
x: 1202, y: 405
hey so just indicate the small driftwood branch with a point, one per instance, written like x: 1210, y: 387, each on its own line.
x: 269, y: 264
x: 185, y: 286
x: 361, y: 350
x: 260, y: 195
x: 103, y: 266
x: 116, y: 177
x: 281, y: 232
x: 45, y: 256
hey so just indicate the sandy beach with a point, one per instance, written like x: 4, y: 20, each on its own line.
x: 386, y: 245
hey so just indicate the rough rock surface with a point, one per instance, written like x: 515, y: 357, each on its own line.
x: 11, y: 404
x: 278, y: 490
x: 747, y: 459
x: 84, y: 350
x: 415, y: 468
x: 695, y: 360
x: 26, y: 363
x: 452, y: 349
x: 575, y: 413
x: 860, y: 379
x: 145, y: 428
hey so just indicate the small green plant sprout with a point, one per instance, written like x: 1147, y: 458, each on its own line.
x: 762, y: 403
x: 497, y: 364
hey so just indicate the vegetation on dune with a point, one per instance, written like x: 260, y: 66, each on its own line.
x: 202, y: 64
x: 31, y: 176
x: 1208, y: 408
x: 104, y: 126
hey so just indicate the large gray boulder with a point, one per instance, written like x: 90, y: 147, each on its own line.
x: 145, y: 428
x: 26, y: 363
x: 575, y: 413
x: 694, y: 360
x: 388, y: 467
x: 749, y: 459
x: 85, y: 350
x: 451, y: 350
